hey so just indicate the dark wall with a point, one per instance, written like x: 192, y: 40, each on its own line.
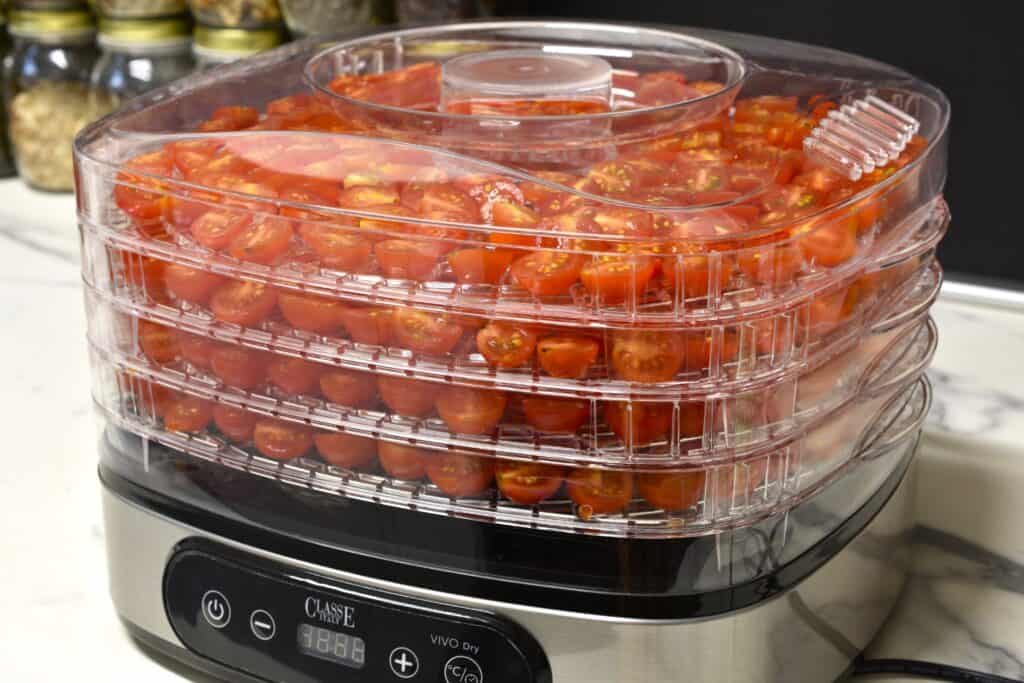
x: 972, y: 50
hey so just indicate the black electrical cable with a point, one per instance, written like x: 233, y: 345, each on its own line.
x: 932, y: 670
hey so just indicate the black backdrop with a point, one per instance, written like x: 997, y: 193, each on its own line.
x: 973, y: 51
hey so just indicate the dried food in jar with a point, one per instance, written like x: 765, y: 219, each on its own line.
x: 138, y: 8
x: 236, y: 13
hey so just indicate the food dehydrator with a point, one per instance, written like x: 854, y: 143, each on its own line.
x: 514, y: 352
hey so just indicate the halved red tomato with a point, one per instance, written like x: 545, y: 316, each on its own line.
x: 310, y: 312
x: 238, y: 366
x: 235, y: 423
x: 365, y: 196
x: 460, y: 476
x: 191, y: 284
x: 547, y: 273
x: 505, y: 345
x: 196, y: 349
x: 338, y: 248
x: 409, y: 397
x: 146, y: 207
x: 599, y: 492
x: 672, y: 491
x: 639, y: 424
x: 231, y: 118
x: 699, y: 346
x: 448, y: 200
x: 693, y: 270
x: 188, y: 155
x: 295, y: 375
x: 470, y: 411
x: 264, y: 241
x: 425, y: 332
x: 407, y: 259
x: 158, y: 342
x: 481, y: 266
x: 647, y: 356
x: 402, y: 462
x: 349, y: 388
x: 528, y: 483
x: 345, y: 450
x: 368, y: 324
x: 243, y: 302
x: 507, y: 214
x: 830, y: 245
x: 559, y: 415
x: 617, y: 279
x: 662, y: 87
x: 775, y: 265
x: 188, y: 414
x: 281, y: 440
x: 567, y: 355
x: 217, y: 228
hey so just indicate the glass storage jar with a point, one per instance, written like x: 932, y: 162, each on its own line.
x: 46, y: 90
x: 317, y: 17
x: 6, y: 159
x: 236, y: 13
x: 138, y: 55
x: 47, y: 4
x: 433, y: 11
x: 137, y: 9
x: 215, y: 46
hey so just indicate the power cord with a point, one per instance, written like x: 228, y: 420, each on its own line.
x: 919, y: 669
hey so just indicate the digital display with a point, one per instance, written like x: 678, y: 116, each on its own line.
x: 332, y: 646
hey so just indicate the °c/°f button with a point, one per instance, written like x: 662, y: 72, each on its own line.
x: 462, y: 669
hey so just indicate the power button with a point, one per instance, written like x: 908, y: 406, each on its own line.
x: 216, y: 609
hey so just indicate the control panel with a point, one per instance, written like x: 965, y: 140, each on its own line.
x: 274, y: 622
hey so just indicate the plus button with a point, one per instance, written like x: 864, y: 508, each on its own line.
x: 404, y: 662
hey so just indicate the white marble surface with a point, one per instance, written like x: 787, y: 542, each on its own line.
x: 966, y: 607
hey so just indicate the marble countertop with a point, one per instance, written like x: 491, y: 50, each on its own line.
x: 964, y: 607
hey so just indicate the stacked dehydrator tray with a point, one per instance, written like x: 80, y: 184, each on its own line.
x: 622, y: 325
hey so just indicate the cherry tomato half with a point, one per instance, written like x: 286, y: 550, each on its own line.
x: 617, y: 279
x: 368, y: 324
x: 528, y: 483
x: 158, y: 342
x: 239, y: 367
x: 217, y: 228
x: 402, y: 462
x: 281, y: 440
x: 598, y: 492
x: 310, y: 312
x: 639, y: 424
x: 672, y: 491
x: 243, y: 302
x: 406, y: 259
x: 235, y: 423
x: 470, y: 411
x: 647, y: 356
x: 264, y: 241
x: 197, y: 350
x: 338, y: 248
x: 559, y: 415
x: 480, y: 266
x: 547, y: 273
x: 191, y: 284
x: 188, y: 414
x: 425, y: 332
x: 505, y: 345
x: 349, y: 388
x: 460, y: 476
x: 345, y: 450
x: 409, y: 397
x: 567, y: 356
x: 295, y: 375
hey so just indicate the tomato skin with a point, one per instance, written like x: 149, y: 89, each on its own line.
x: 191, y: 284
x: 470, y: 411
x: 672, y: 491
x: 567, y: 356
x: 197, y: 350
x: 188, y: 414
x: 481, y: 266
x: 647, y: 356
x: 547, y: 273
x: 345, y: 450
x: 158, y: 342
x: 699, y: 347
x: 239, y: 367
x: 310, y: 312
x: 448, y: 200
x: 295, y: 375
x: 696, y: 274
x: 406, y: 259
x: 281, y: 440
x: 243, y: 303
x: 263, y: 241
x: 402, y: 462
x: 217, y: 228
x: 144, y: 207
x: 772, y: 265
x: 460, y: 476
x: 639, y: 424
x: 558, y: 415
x: 147, y: 274
x: 235, y: 423
x: 505, y: 345
x: 425, y: 332
x: 337, y: 248
x: 599, y: 492
x: 368, y: 324
x: 830, y: 245
x: 528, y: 483
x: 409, y: 397
x: 232, y: 118
x: 349, y: 388
x: 617, y: 279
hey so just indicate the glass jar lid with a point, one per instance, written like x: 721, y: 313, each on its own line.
x: 235, y: 42
x: 136, y: 33
x: 46, y: 23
